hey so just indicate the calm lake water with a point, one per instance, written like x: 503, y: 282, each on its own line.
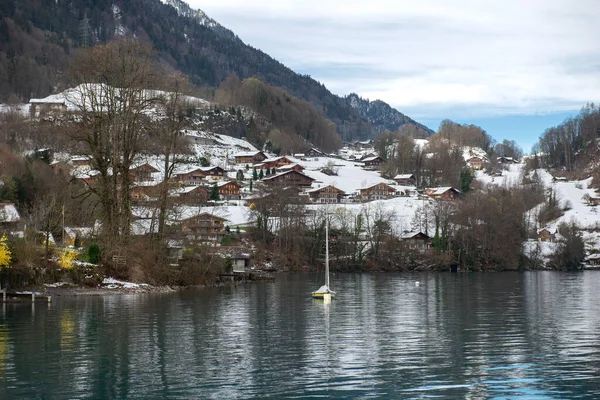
x: 478, y: 336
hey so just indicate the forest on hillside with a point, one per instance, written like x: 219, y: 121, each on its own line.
x: 37, y: 38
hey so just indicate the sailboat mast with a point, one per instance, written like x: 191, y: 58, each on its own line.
x: 327, y: 252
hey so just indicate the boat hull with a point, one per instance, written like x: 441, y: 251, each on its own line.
x: 321, y: 295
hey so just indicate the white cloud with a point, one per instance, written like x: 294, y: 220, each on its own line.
x: 479, y: 57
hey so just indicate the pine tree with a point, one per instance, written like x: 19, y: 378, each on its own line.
x: 261, y: 174
x: 254, y: 174
x: 251, y: 185
x: 214, y: 194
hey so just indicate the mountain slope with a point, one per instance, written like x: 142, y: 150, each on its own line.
x: 37, y: 37
x: 382, y: 115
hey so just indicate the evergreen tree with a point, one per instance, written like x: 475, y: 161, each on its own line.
x: 251, y: 185
x: 240, y: 175
x: 261, y: 174
x: 254, y: 174
x: 214, y: 194
x: 466, y: 178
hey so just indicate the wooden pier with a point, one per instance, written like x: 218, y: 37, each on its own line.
x: 24, y: 297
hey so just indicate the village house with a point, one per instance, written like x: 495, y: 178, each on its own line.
x: 197, y: 175
x: 373, y: 162
x: 289, y: 178
x: 405, y: 180
x: 276, y: 162
x: 327, y: 194
x: 476, y: 163
x: 443, y: 193
x: 250, y: 158
x: 240, y: 258
x: 417, y: 240
x: 143, y: 173
x: 380, y: 191
x: 507, y: 160
x: 548, y: 234
x: 559, y: 179
x: 314, y: 153
x: 40, y: 107
x: 9, y: 217
x: 193, y: 195
x: 593, y: 201
x: 204, y: 226
x: 213, y: 171
x: 229, y: 190
x: 193, y: 177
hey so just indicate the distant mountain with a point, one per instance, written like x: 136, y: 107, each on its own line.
x: 38, y: 36
x: 382, y: 115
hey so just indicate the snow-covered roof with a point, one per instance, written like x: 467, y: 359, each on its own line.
x: 404, y: 176
x: 224, y: 183
x: 372, y: 186
x: 440, y: 190
x: 323, y: 187
x: 9, y: 213
x: 247, y: 154
x: 368, y: 159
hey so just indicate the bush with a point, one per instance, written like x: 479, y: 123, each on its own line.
x: 93, y: 253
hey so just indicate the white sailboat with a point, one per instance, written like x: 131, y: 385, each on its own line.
x: 324, y: 292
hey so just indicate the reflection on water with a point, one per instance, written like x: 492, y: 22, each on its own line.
x: 531, y: 335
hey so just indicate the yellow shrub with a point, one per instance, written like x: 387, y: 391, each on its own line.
x: 5, y: 253
x: 67, y: 257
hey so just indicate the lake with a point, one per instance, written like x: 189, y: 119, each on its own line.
x: 533, y: 335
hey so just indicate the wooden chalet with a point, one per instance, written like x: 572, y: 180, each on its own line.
x: 476, y: 163
x: 229, y: 190
x: 417, y: 241
x: 406, y: 180
x: 193, y: 177
x: 198, y: 175
x: 289, y: 178
x: 276, y: 162
x: 443, y: 193
x: 204, y: 226
x: 327, y: 194
x: 250, y: 158
x: 193, y: 195
x: 380, y: 191
x: 79, y: 161
x: 547, y: 234
x: 313, y: 152
x: 373, y: 162
x: 143, y: 173
x: 213, y: 171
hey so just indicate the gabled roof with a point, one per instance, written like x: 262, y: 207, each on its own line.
x: 321, y: 188
x: 404, y: 176
x: 290, y: 166
x: 412, y: 235
x: 368, y: 159
x: 270, y: 177
x: 439, y: 191
x: 248, y: 154
x: 377, y: 184
x: 221, y: 184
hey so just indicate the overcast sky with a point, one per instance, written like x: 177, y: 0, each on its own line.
x: 434, y: 59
